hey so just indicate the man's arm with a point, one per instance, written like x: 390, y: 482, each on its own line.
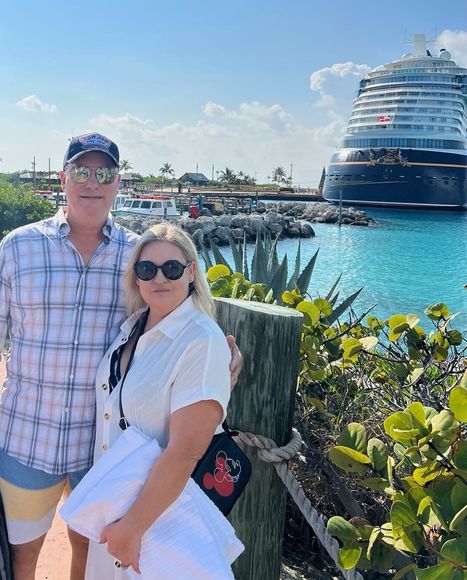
x: 5, y: 291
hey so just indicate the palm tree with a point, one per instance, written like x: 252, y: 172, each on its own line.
x: 278, y: 175
x: 228, y: 176
x: 166, y: 170
x: 125, y: 166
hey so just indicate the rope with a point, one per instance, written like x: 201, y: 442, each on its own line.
x: 268, y: 451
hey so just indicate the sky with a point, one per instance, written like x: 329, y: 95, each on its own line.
x: 249, y: 85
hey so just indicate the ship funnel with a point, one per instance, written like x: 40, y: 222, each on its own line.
x: 444, y: 54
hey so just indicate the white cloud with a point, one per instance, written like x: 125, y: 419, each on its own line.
x: 252, y: 137
x: 33, y: 104
x: 336, y: 86
x: 456, y: 42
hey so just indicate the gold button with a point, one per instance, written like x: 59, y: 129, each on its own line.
x: 106, y: 416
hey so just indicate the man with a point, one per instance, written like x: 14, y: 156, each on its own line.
x: 61, y: 298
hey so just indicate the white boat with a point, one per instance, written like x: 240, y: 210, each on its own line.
x: 148, y: 206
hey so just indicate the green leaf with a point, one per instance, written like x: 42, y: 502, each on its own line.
x: 340, y: 528
x: 455, y: 550
x: 458, y: 403
x: 442, y: 571
x: 311, y: 311
x: 349, y: 556
x: 454, y: 337
x: 378, y: 484
x: 378, y: 453
x: 405, y: 525
x: 437, y: 311
x: 221, y: 288
x: 348, y: 459
x: 354, y: 436
x: 351, y: 347
x: 418, y: 414
x: 216, y: 272
x: 428, y: 472
x: 296, y: 272
x: 458, y: 519
x: 460, y: 454
x: 324, y: 306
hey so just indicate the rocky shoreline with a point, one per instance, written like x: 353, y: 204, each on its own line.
x: 284, y: 219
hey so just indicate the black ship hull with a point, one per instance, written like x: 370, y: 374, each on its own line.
x: 411, y: 178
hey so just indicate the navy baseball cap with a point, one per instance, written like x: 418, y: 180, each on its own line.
x: 91, y: 142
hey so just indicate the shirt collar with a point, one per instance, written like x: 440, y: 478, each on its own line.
x: 171, y: 325
x: 62, y: 226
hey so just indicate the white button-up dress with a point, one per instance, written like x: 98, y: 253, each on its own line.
x: 180, y: 361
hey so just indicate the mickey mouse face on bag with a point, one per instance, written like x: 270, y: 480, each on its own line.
x: 226, y: 474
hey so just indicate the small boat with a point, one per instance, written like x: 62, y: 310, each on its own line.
x: 148, y: 205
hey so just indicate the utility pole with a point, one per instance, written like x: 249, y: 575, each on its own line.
x: 34, y: 172
x: 291, y: 167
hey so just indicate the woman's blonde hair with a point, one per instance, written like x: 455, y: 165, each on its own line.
x: 167, y: 232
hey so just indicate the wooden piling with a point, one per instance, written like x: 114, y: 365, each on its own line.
x: 262, y: 403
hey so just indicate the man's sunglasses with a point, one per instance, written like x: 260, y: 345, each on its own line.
x: 81, y: 173
x: 147, y: 270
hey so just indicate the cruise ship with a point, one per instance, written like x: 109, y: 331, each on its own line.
x: 406, y: 141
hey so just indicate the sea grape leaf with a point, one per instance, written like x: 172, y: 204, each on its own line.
x: 437, y: 311
x: 378, y: 453
x: 442, y: 571
x: 218, y: 271
x: 340, y: 528
x: 348, y: 459
x: 458, y: 403
x: 460, y: 454
x: 349, y: 556
x: 353, y: 435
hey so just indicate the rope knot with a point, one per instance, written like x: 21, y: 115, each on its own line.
x: 267, y: 449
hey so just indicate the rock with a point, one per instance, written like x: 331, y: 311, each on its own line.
x: 222, y: 234
x: 275, y: 228
x: 307, y: 231
x: 224, y: 220
x: 207, y: 224
x: 239, y: 221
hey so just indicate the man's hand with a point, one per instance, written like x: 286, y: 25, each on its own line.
x: 236, y: 362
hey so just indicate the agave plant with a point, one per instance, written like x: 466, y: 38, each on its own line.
x: 269, y: 279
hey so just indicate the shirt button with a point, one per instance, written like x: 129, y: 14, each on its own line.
x: 106, y: 416
x: 75, y: 342
x: 80, y: 308
x: 72, y: 377
x: 104, y: 386
x: 104, y: 447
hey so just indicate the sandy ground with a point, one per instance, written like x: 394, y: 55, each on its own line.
x: 54, y: 561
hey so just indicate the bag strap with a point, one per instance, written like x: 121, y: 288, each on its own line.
x: 136, y: 332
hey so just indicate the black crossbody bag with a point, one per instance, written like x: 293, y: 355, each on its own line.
x: 224, y: 470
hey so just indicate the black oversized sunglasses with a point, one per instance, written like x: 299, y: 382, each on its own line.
x: 147, y: 270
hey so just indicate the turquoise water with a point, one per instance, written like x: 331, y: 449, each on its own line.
x: 406, y: 261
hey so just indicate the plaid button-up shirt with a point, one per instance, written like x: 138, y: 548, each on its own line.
x: 61, y: 316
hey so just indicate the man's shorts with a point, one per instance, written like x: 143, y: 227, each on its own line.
x: 30, y: 497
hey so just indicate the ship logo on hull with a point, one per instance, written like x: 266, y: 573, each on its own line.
x: 389, y: 157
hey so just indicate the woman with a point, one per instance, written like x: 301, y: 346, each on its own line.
x: 175, y: 389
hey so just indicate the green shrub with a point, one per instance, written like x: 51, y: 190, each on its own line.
x: 18, y: 207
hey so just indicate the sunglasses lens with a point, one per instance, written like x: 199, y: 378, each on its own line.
x: 106, y: 174
x: 145, y: 270
x: 80, y: 174
x: 173, y: 270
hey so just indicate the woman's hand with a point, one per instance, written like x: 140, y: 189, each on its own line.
x: 123, y: 544
x: 236, y: 362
